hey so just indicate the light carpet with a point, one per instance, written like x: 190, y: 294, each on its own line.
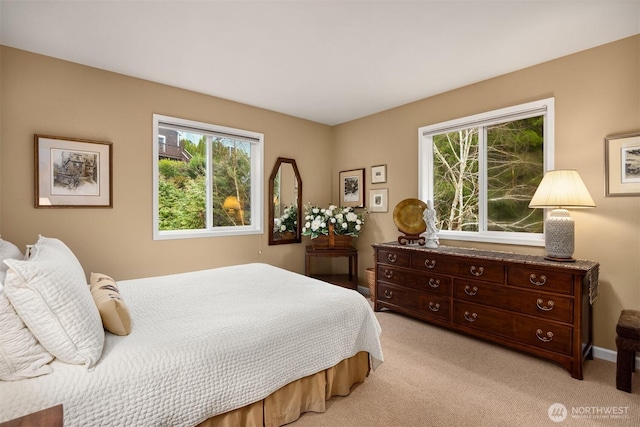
x: 434, y: 377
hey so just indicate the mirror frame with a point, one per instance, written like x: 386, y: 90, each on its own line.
x: 276, y: 168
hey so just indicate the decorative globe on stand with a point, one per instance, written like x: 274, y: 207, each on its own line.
x: 408, y: 217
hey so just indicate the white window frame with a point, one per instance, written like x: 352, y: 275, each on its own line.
x: 544, y: 107
x: 257, y: 180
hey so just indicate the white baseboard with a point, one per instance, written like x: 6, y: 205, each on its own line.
x: 609, y: 355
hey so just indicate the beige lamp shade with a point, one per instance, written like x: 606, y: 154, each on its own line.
x: 562, y: 189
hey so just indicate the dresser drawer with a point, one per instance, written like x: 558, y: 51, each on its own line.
x: 545, y: 335
x: 399, y: 258
x: 432, y: 262
x: 427, y: 304
x: 423, y: 282
x: 541, y: 280
x: 391, y: 274
x: 431, y: 283
x: 546, y: 306
x: 480, y: 269
x: 539, y: 333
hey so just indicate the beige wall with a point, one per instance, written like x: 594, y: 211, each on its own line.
x: 47, y: 96
x: 597, y: 93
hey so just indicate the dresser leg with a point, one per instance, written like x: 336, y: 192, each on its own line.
x: 576, y: 370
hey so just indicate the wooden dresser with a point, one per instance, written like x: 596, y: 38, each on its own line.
x: 521, y: 301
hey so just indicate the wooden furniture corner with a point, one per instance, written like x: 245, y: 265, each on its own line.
x: 349, y: 280
x: 50, y: 417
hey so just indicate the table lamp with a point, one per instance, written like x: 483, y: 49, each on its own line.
x: 560, y: 189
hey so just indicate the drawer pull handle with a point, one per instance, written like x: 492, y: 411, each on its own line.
x: 388, y: 274
x: 470, y: 317
x: 476, y: 271
x: 532, y: 279
x: 541, y: 337
x: 434, y: 283
x: 470, y: 291
x: 548, y: 307
x: 388, y: 294
x: 434, y: 307
x: 392, y: 257
x: 430, y: 263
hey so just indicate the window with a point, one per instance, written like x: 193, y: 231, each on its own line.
x: 162, y: 143
x: 207, y: 180
x: 481, y: 172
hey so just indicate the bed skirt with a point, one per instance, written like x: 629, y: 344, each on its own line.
x: 307, y: 394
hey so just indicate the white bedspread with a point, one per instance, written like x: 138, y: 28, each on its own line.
x: 204, y: 343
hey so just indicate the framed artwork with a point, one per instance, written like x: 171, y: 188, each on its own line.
x: 379, y: 200
x: 352, y: 188
x: 72, y: 173
x: 622, y: 165
x: 378, y: 174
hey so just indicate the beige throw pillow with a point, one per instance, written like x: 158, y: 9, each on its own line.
x: 113, y: 310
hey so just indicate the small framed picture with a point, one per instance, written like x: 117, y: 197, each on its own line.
x: 379, y: 200
x: 378, y: 174
x: 72, y: 173
x: 352, y: 188
x: 622, y: 165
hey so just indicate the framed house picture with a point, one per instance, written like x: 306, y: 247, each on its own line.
x: 622, y: 165
x: 379, y: 200
x: 378, y: 174
x: 352, y: 188
x: 72, y: 173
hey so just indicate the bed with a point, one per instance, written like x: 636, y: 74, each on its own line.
x: 248, y: 344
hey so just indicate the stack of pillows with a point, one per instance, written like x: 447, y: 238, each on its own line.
x: 48, y: 311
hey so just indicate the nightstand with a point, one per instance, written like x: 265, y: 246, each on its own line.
x: 51, y: 417
x: 349, y: 280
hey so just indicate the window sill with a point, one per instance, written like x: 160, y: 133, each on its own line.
x: 194, y: 234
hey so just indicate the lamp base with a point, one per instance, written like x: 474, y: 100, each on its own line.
x: 558, y: 235
x: 557, y: 259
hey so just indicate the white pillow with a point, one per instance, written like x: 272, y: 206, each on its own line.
x: 7, y: 251
x: 21, y: 356
x: 49, y: 292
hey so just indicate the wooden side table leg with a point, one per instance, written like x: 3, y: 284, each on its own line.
x: 350, y: 267
x: 355, y: 272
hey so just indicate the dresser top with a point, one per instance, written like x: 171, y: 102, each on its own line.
x: 581, y: 265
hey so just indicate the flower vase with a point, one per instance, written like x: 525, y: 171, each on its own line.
x: 287, y: 235
x: 332, y: 240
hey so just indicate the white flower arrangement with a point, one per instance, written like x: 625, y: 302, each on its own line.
x: 345, y: 221
x: 288, y: 221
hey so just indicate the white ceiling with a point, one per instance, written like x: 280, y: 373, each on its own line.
x: 326, y: 61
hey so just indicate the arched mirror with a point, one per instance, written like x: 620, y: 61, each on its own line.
x: 285, y: 203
